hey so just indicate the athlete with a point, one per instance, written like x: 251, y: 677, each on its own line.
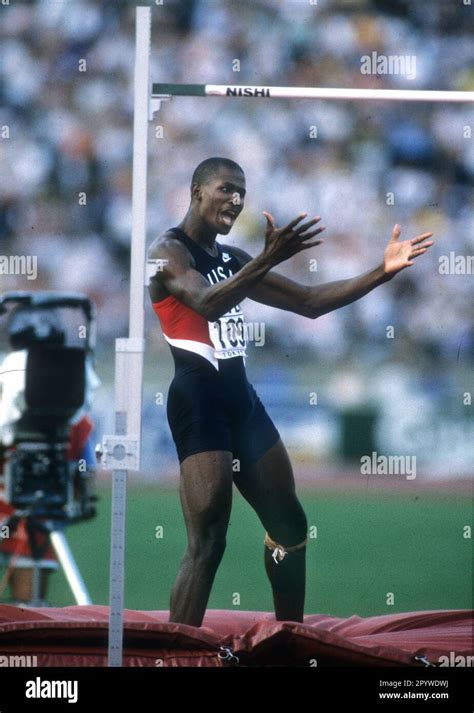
x: 215, y: 416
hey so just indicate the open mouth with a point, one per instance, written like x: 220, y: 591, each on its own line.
x: 229, y: 217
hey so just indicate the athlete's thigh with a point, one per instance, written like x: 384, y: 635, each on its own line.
x: 206, y: 492
x: 269, y: 484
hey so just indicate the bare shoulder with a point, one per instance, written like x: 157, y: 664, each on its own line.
x: 240, y: 254
x: 169, y: 257
x: 167, y: 246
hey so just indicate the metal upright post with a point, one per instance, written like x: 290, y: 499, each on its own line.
x: 121, y: 452
x: 70, y: 568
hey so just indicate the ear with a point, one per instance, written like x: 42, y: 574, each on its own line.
x: 196, y: 192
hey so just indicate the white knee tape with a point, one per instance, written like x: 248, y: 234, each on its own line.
x: 280, y: 551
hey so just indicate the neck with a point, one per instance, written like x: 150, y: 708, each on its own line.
x: 198, y: 231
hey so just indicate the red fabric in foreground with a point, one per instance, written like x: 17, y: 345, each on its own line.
x: 77, y: 636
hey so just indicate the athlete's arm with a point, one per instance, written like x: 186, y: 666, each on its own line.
x: 313, y: 301
x: 185, y: 283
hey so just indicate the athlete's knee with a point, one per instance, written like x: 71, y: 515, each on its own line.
x: 299, y: 522
x: 207, y: 549
x: 280, y: 551
x: 290, y: 527
x: 289, y: 534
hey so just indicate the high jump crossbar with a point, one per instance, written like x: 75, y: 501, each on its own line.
x: 166, y: 91
x: 121, y: 451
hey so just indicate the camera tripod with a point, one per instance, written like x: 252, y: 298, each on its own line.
x: 52, y: 531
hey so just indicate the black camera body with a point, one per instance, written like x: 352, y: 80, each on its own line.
x: 39, y: 477
x: 52, y: 338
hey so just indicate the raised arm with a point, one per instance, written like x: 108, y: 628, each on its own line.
x: 313, y: 301
x: 180, y: 279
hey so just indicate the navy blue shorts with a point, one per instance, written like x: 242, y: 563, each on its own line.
x: 211, y: 410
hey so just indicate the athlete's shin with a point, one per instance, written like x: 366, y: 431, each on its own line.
x: 192, y: 587
x: 288, y: 580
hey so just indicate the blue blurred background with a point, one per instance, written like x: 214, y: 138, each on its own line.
x: 336, y: 387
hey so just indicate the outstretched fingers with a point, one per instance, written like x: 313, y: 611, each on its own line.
x: 311, y: 234
x: 396, y: 230
x: 290, y: 228
x: 293, y: 223
x: 305, y: 246
x: 306, y: 226
x: 418, y: 251
x: 270, y: 219
x: 422, y: 238
x: 420, y: 245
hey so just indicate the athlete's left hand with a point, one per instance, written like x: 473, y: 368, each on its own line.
x: 399, y: 255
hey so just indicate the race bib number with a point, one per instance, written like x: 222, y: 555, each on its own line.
x: 229, y: 334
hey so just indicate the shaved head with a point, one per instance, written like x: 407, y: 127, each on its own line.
x: 209, y: 168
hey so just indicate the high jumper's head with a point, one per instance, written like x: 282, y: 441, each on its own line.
x: 217, y: 193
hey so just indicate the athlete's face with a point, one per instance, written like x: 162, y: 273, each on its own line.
x: 221, y: 199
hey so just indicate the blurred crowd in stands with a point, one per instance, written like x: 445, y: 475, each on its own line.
x: 362, y: 166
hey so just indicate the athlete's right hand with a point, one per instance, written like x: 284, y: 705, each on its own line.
x: 283, y: 243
